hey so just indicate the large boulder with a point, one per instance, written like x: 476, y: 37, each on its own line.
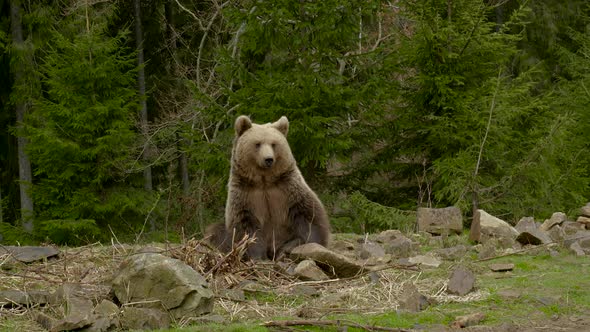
x: 440, y: 221
x: 485, y: 226
x: 157, y: 281
x: 331, y: 262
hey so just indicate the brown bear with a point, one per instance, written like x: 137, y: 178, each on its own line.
x: 267, y: 195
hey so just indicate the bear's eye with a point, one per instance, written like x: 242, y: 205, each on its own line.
x: 274, y: 145
x: 258, y: 145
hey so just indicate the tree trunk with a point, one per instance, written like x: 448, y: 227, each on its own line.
x: 147, y: 173
x: 182, y: 158
x: 24, y: 164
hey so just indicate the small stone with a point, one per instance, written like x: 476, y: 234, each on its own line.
x: 557, y: 218
x: 462, y: 281
x: 411, y: 300
x: 499, y: 267
x: 308, y: 270
x: 425, y: 260
x: 468, y: 320
x: 370, y: 249
x: 585, y: 210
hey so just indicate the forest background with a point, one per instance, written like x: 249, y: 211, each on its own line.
x: 116, y: 117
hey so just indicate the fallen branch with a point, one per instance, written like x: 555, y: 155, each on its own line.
x: 330, y: 323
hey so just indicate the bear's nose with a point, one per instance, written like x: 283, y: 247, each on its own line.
x: 268, y: 162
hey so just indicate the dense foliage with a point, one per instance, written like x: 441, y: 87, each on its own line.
x: 480, y: 104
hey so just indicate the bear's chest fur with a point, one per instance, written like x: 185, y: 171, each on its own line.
x: 269, y: 205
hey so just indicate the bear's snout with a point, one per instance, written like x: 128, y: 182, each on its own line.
x: 268, y: 162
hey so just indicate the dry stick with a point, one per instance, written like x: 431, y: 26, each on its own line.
x: 330, y: 323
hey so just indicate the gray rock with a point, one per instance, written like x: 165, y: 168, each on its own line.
x: 308, y: 270
x: 107, y: 317
x: 173, y: 285
x: 331, y: 262
x: 304, y: 290
x: 133, y: 318
x: 584, y: 244
x: 556, y: 219
x: 533, y: 236
x: 557, y: 234
x: 461, y: 282
x: 29, y: 298
x: 78, y: 315
x: 29, y: 254
x: 233, y: 294
x: 585, y: 210
x: 579, y: 236
x: 425, y: 260
x: 399, y: 247
x: 452, y: 253
x: 525, y: 223
x: 411, y: 300
x: 440, y: 221
x: 468, y: 320
x: 44, y: 320
x: 485, y: 227
x: 371, y: 249
x: 106, y: 308
x: 502, y: 267
x: 571, y: 227
x: 577, y: 249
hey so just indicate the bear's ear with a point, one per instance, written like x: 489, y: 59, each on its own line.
x: 282, y: 125
x: 243, y: 123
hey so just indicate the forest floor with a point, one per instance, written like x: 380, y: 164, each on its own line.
x: 547, y: 290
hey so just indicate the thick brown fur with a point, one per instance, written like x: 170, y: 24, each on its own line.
x: 267, y: 195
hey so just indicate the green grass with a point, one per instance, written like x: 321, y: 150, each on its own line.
x: 548, y: 286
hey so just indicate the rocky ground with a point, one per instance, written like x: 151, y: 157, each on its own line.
x: 534, y: 276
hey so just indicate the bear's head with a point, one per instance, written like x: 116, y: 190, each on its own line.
x: 261, y: 149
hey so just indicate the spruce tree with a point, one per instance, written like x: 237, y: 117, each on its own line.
x: 83, y: 126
